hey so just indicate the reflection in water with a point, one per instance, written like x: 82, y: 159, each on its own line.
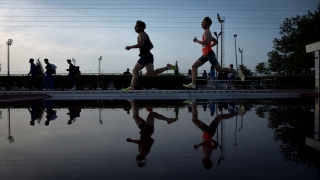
x: 74, y: 111
x: 272, y: 144
x: 50, y: 113
x: 291, y: 124
x: 208, y: 143
x: 146, y: 130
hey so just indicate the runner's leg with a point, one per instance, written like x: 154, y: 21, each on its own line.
x: 135, y: 113
x: 135, y: 74
x: 195, y: 67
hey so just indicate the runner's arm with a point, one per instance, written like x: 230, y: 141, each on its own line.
x: 214, y: 42
x: 133, y: 141
x: 151, y: 45
x: 207, y: 39
x: 141, y: 39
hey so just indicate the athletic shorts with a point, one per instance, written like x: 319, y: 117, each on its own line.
x: 146, y: 130
x: 211, y: 57
x: 209, y: 129
x: 231, y: 77
x: 145, y: 60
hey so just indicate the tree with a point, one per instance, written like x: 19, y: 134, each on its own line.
x: 245, y: 70
x: 176, y: 71
x: 40, y: 67
x: 261, y: 68
x: 289, y: 55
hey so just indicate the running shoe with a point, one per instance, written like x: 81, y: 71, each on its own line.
x: 189, y: 101
x: 190, y: 86
x: 173, y: 67
x: 241, y: 75
x: 172, y: 120
x: 127, y: 89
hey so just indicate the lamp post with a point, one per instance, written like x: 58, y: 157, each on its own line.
x: 9, y: 43
x: 100, y: 59
x: 241, y: 51
x: 235, y: 49
x: 217, y: 36
x: 221, y: 43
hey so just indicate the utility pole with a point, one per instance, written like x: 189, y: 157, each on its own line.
x: 9, y: 43
x: 10, y: 138
x: 235, y: 49
x: 100, y: 59
x: 241, y: 51
x: 221, y: 21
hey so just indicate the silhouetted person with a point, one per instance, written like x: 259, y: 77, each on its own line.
x: 146, y: 58
x: 204, y: 74
x: 72, y: 111
x: 71, y: 75
x: 207, y: 54
x: 146, y: 130
x: 127, y: 72
x: 33, y: 112
x: 51, y: 114
x: 32, y: 75
x: 48, y: 76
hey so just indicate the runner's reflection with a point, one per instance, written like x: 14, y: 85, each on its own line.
x: 208, y: 143
x: 146, y: 130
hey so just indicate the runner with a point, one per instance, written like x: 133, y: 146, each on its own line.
x: 208, y: 55
x: 146, y: 58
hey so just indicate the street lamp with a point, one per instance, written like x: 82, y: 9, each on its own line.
x: 221, y: 21
x: 241, y: 51
x: 235, y: 49
x: 100, y: 59
x: 9, y: 43
x: 217, y: 36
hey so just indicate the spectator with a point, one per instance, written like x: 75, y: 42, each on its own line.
x: 71, y: 75
x: 127, y: 72
x: 48, y: 76
x: 32, y: 75
x: 230, y: 78
x: 189, y: 74
x: 204, y: 74
x: 212, y: 77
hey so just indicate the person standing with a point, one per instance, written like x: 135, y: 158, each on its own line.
x: 32, y: 75
x: 208, y: 55
x: 71, y: 75
x: 204, y: 74
x: 146, y: 58
x: 213, y: 78
x: 48, y: 76
x: 230, y: 78
x: 127, y: 72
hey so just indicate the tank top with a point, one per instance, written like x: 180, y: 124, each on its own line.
x: 145, y: 50
x: 206, y: 49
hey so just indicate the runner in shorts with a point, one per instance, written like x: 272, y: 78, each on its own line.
x: 208, y: 55
x: 146, y: 58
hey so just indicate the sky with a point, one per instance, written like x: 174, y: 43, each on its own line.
x: 85, y: 30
